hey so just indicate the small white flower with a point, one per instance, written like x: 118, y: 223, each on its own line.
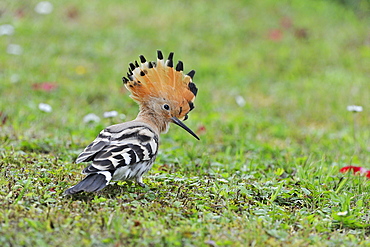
x: 222, y: 180
x: 44, y: 8
x: 6, y: 29
x: 240, y: 100
x: 108, y: 114
x: 14, y: 78
x: 354, y: 108
x: 342, y: 213
x: 45, y: 107
x: 14, y: 49
x: 91, y: 117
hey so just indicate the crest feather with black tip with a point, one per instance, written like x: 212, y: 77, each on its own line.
x: 161, y: 79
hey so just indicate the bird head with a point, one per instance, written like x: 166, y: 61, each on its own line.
x: 162, y: 90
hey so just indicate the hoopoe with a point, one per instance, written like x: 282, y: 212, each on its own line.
x: 127, y: 151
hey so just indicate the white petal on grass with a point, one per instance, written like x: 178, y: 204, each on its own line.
x: 14, y: 78
x: 6, y: 29
x: 45, y: 107
x: 342, y: 213
x: 44, y: 8
x: 222, y: 180
x: 240, y: 100
x: 91, y: 117
x: 354, y: 108
x: 108, y: 114
x: 14, y: 49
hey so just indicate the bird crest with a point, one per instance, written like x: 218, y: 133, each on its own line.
x: 161, y: 79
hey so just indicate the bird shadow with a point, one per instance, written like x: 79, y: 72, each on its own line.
x: 112, y: 191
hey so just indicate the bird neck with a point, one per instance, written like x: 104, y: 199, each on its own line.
x: 159, y: 124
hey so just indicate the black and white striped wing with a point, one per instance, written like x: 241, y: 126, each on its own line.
x: 96, y: 146
x: 116, y: 147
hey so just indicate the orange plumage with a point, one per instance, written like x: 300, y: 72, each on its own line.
x: 161, y: 80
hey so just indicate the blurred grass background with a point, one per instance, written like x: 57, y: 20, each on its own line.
x: 274, y: 82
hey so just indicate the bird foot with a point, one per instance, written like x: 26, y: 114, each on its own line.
x: 141, y: 184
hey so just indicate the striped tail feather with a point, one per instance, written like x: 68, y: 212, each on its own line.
x: 91, y: 183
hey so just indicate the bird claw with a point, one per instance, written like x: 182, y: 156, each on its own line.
x: 141, y: 184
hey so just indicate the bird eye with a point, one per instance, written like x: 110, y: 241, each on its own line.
x: 166, y: 107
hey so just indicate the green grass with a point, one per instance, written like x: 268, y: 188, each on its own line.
x: 265, y: 173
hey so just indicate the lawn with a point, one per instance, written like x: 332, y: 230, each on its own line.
x: 274, y: 78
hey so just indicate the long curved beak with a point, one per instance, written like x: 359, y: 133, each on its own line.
x: 182, y: 125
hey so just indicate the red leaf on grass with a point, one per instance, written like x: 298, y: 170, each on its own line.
x: 3, y: 118
x: 19, y: 13
x: 301, y: 33
x: 275, y: 34
x: 45, y: 86
x: 201, y: 130
x: 356, y: 170
x: 72, y: 13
